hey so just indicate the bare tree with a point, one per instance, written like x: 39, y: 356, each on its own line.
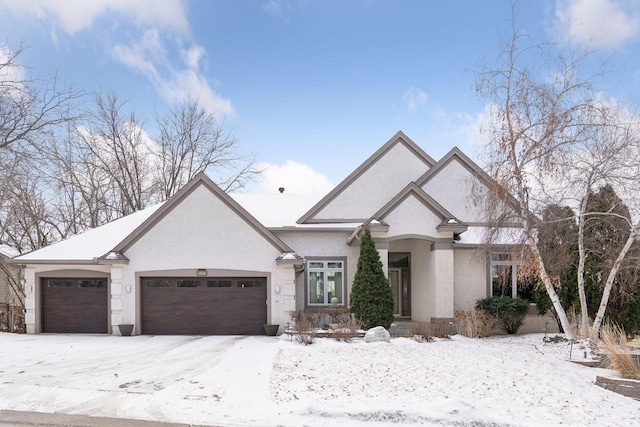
x: 191, y: 141
x: 608, y: 161
x: 29, y: 107
x: 27, y: 222
x: 115, y: 143
x: 540, y: 110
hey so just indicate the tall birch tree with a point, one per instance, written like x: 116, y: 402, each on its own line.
x: 540, y: 109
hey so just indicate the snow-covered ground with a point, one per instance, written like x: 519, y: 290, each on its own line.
x: 515, y: 380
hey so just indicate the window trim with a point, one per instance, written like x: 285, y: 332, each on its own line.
x: 325, y: 269
x: 511, y: 261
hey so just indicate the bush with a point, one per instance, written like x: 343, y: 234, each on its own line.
x: 509, y: 312
x: 307, y: 322
x: 474, y: 324
x: 629, y: 318
x: 304, y: 332
x: 371, y: 297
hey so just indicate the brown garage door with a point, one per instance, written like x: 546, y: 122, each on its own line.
x: 74, y: 305
x: 204, y: 306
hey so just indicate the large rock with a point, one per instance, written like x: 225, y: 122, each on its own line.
x: 377, y: 334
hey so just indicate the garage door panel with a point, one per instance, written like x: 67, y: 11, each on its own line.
x: 221, y: 309
x: 68, y: 307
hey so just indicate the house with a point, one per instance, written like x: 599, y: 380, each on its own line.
x: 206, y: 262
x: 11, y: 293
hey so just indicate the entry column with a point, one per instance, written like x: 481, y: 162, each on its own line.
x: 444, y: 279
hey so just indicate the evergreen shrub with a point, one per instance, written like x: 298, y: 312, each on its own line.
x: 508, y: 312
x: 371, y: 299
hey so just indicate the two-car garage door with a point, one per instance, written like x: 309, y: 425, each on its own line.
x: 204, y: 306
x: 169, y: 306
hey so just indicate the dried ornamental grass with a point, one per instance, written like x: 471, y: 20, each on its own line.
x: 619, y: 352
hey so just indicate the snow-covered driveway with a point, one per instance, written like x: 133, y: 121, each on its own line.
x: 164, y: 378
x: 268, y: 381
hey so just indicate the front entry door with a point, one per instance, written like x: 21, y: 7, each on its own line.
x: 399, y: 281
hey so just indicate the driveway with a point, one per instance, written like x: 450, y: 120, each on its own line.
x: 165, y: 378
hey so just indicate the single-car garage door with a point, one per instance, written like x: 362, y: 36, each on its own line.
x: 204, y: 306
x: 74, y: 305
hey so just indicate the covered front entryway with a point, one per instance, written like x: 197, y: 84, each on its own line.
x: 400, y: 282
x: 203, y: 306
x: 74, y: 305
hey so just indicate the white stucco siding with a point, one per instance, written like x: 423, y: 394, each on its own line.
x: 316, y: 245
x: 376, y: 186
x: 470, y: 278
x: 453, y: 188
x: 412, y: 217
x: 202, y: 232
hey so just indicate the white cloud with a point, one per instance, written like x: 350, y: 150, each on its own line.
x: 77, y: 15
x: 11, y: 72
x: 174, y: 83
x: 193, y: 56
x: 187, y: 83
x: 600, y: 23
x: 414, y: 97
x: 277, y: 9
x: 144, y: 55
x: 294, y: 177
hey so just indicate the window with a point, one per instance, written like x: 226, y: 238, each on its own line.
x: 325, y: 280
x: 60, y: 283
x: 188, y: 283
x: 76, y: 283
x: 91, y: 283
x: 250, y: 283
x: 506, y: 280
x: 157, y: 283
x: 219, y: 283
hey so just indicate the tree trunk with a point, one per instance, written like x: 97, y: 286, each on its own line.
x: 584, y: 310
x: 555, y: 300
x: 612, y: 275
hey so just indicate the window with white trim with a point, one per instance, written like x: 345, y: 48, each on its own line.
x: 504, y: 277
x: 325, y: 280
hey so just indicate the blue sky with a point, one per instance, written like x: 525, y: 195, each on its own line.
x: 311, y: 87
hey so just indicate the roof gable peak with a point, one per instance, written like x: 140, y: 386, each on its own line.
x: 414, y: 190
x: 398, y: 138
x: 201, y: 179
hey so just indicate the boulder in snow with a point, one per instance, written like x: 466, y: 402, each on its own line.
x: 377, y: 334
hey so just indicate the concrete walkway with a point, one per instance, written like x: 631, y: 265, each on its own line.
x: 20, y: 418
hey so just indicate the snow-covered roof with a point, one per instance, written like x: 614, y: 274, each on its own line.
x: 277, y: 209
x: 271, y: 210
x: 93, y: 243
x: 504, y: 236
x: 8, y: 251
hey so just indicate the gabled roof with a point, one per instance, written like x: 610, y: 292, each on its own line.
x: 398, y: 138
x: 7, y: 251
x: 90, y: 245
x: 200, y: 180
x: 456, y: 154
x: 276, y: 210
x: 449, y: 221
x: 108, y: 243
